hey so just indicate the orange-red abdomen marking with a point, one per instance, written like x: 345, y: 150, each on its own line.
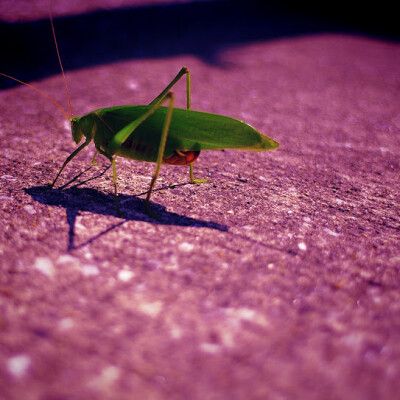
x: 182, y: 157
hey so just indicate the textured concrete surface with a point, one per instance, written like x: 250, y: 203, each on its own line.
x: 277, y: 279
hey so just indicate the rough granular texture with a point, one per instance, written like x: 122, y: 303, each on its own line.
x: 277, y: 279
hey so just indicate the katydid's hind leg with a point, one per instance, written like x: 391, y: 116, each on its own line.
x: 69, y: 158
x: 164, y: 93
x: 161, y: 149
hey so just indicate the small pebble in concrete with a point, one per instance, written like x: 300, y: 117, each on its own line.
x: 186, y: 247
x: 90, y: 270
x: 125, y: 275
x: 106, y: 378
x: 210, y: 348
x: 151, y: 309
x: 302, y: 246
x: 29, y: 209
x: 66, y: 324
x: 44, y: 265
x: 18, y: 365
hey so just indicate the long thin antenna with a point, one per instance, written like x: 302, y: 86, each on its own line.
x: 39, y: 91
x: 59, y: 60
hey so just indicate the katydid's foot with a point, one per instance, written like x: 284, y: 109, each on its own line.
x: 200, y: 180
x: 94, y: 163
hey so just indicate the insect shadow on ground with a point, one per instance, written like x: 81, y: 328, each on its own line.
x: 76, y: 200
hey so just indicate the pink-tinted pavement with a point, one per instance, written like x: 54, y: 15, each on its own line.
x: 277, y: 279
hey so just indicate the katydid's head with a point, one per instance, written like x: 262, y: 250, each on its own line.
x: 76, y: 130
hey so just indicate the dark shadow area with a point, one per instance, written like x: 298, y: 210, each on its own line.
x: 201, y: 29
x: 76, y: 200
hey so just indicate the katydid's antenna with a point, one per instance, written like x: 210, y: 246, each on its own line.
x: 39, y: 91
x: 59, y: 60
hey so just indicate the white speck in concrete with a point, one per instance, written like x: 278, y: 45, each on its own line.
x: 353, y: 340
x: 106, y: 378
x: 44, y: 265
x: 79, y: 226
x: 66, y: 324
x: 8, y: 178
x: 88, y: 255
x: 151, y: 309
x: 186, y: 247
x: 302, y: 246
x: 66, y: 259
x: 329, y: 232
x: 125, y: 275
x: 171, y: 266
x: 133, y: 85
x: 176, y: 332
x: 18, y: 365
x: 90, y: 270
x: 210, y: 348
x: 29, y: 209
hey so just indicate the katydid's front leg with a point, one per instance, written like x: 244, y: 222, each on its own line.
x: 70, y: 157
x: 114, y: 171
x: 76, y: 151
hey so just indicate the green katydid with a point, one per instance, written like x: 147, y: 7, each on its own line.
x: 155, y: 132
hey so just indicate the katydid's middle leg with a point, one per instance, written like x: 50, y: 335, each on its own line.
x: 114, y: 171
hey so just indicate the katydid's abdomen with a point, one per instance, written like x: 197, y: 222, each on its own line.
x: 189, y: 133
